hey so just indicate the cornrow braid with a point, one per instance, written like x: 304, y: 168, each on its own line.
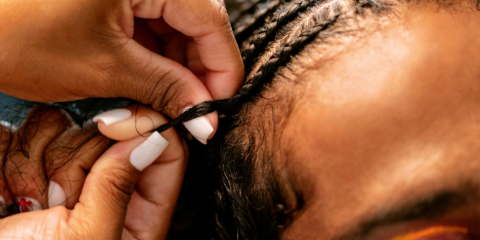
x: 266, y: 73
x: 258, y: 82
x: 268, y: 33
x: 255, y: 214
x: 361, y: 5
x: 257, y: 15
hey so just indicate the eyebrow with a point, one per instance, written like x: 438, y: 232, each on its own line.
x: 431, y: 206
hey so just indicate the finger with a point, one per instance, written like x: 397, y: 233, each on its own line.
x: 107, y: 190
x: 159, y: 26
x: 141, y: 120
x: 135, y: 120
x: 166, y: 86
x: 67, y: 160
x: 38, y: 225
x: 24, y: 166
x: 208, y: 24
x: 151, y: 207
x: 194, y: 62
x: 169, y: 40
x: 5, y: 196
x: 174, y: 47
x: 145, y: 37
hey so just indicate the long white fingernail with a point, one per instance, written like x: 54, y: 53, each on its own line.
x: 147, y: 152
x: 56, y: 195
x: 199, y: 127
x: 27, y: 204
x: 113, y: 116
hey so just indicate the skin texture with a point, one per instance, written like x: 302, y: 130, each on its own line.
x: 393, y: 118
x: 168, y: 54
x: 114, y: 201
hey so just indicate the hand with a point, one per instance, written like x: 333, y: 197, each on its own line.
x: 117, y: 200
x: 177, y: 53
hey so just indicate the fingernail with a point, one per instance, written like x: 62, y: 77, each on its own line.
x: 8, y: 125
x: 113, y: 116
x: 27, y: 204
x: 56, y: 195
x: 147, y: 152
x: 5, y: 124
x: 199, y: 127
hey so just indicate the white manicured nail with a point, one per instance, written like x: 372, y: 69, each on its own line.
x: 147, y: 152
x: 56, y: 195
x: 27, y: 204
x: 199, y: 127
x: 113, y: 116
x: 8, y: 125
x: 5, y: 124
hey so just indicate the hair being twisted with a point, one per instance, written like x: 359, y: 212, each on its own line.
x: 258, y: 82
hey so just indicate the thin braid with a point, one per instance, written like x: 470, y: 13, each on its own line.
x: 248, y: 12
x: 257, y: 17
x: 250, y: 221
x: 362, y: 5
x: 260, y: 41
x: 281, y: 58
x: 261, y: 79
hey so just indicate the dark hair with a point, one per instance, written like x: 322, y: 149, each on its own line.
x: 256, y: 198
x: 237, y: 185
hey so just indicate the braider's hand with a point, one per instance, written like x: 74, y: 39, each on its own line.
x: 169, y: 54
x: 129, y: 193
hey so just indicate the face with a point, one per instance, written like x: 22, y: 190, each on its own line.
x: 388, y: 141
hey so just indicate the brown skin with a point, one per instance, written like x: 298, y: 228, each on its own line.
x: 163, y: 53
x: 394, y: 118
x: 114, y: 201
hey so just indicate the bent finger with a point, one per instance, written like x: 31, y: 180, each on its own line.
x: 132, y: 121
x: 167, y: 86
x: 24, y: 166
x: 68, y: 159
x: 107, y: 190
x: 129, y: 122
x: 208, y: 24
x: 153, y: 202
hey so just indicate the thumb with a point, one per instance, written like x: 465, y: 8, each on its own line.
x: 101, y: 210
x: 165, y: 85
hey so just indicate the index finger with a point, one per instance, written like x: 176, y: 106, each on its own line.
x: 207, y: 22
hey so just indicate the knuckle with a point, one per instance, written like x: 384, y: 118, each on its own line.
x: 81, y: 231
x: 23, y: 158
x: 219, y: 13
x: 222, y: 15
x: 47, y: 226
x: 165, y: 87
x: 107, y: 77
x: 118, y: 183
x: 212, y: 17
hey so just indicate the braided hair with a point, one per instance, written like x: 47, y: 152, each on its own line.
x: 254, y: 86
x: 251, y: 194
x: 253, y: 18
x: 259, y: 81
x: 243, y: 193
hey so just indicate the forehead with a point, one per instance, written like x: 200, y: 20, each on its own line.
x: 395, y: 116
